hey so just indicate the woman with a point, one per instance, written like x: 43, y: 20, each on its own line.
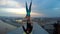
x: 28, y: 30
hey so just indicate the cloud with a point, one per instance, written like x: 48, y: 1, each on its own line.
x: 19, y: 11
x: 14, y: 4
x: 10, y: 3
x: 56, y: 8
x: 50, y: 8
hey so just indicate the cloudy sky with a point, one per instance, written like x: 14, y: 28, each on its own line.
x: 40, y: 8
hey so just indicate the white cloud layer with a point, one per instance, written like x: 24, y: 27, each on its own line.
x: 17, y: 10
x: 20, y: 11
x: 10, y: 3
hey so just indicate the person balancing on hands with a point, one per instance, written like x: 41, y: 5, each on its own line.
x: 29, y: 28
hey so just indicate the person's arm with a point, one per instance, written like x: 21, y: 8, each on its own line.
x: 24, y: 29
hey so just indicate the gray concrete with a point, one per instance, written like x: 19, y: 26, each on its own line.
x: 37, y: 29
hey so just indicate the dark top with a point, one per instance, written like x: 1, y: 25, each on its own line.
x: 29, y: 28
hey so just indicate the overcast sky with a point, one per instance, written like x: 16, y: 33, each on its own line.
x: 40, y: 8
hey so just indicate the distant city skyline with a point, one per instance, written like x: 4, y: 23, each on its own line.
x: 40, y: 8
